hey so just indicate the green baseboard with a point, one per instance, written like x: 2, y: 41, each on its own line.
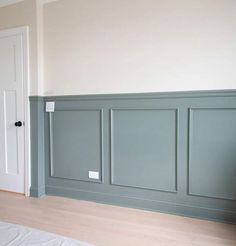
x: 150, y: 205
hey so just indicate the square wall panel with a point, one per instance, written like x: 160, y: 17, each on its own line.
x: 144, y: 148
x: 212, y: 152
x: 76, y: 146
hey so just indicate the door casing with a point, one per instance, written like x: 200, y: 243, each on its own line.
x: 24, y: 32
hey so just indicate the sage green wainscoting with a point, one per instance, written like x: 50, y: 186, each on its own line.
x: 171, y: 152
x: 37, y: 146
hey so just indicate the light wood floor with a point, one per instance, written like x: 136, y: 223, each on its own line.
x: 110, y: 225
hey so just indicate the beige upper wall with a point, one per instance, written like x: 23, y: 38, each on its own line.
x: 40, y: 47
x: 125, y: 46
x: 116, y: 46
x: 26, y: 14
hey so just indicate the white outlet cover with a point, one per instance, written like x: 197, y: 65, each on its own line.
x: 93, y: 175
x: 50, y: 106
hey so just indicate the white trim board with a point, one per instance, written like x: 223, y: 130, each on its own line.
x: 4, y: 3
x: 24, y: 32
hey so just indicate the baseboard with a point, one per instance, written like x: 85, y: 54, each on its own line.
x: 37, y: 192
x: 151, y: 205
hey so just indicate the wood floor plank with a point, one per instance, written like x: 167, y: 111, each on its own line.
x: 108, y: 225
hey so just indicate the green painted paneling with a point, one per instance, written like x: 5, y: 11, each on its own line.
x: 76, y: 144
x: 144, y: 144
x: 37, y: 146
x: 153, y: 151
x: 212, y: 152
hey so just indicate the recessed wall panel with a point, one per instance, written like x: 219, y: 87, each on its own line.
x: 212, y: 152
x: 76, y: 144
x: 144, y: 148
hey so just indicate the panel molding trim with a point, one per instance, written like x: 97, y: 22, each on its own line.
x: 51, y: 150
x: 204, y: 193
x: 112, y: 151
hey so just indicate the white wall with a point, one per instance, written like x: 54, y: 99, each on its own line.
x: 116, y: 46
x: 40, y: 45
x: 26, y: 13
x: 125, y: 46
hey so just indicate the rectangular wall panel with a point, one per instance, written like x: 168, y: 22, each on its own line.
x: 212, y: 152
x: 144, y: 148
x: 76, y: 146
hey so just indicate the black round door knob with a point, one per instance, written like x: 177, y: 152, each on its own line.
x: 18, y: 124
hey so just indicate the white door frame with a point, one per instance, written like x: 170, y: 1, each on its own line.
x: 24, y: 32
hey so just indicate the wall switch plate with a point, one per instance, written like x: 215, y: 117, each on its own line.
x: 50, y: 107
x: 93, y: 175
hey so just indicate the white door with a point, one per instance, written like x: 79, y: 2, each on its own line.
x: 11, y: 114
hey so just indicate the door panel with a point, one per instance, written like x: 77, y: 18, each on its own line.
x: 11, y: 111
x: 10, y: 132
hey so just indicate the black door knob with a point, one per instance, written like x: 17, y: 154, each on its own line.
x: 18, y: 124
